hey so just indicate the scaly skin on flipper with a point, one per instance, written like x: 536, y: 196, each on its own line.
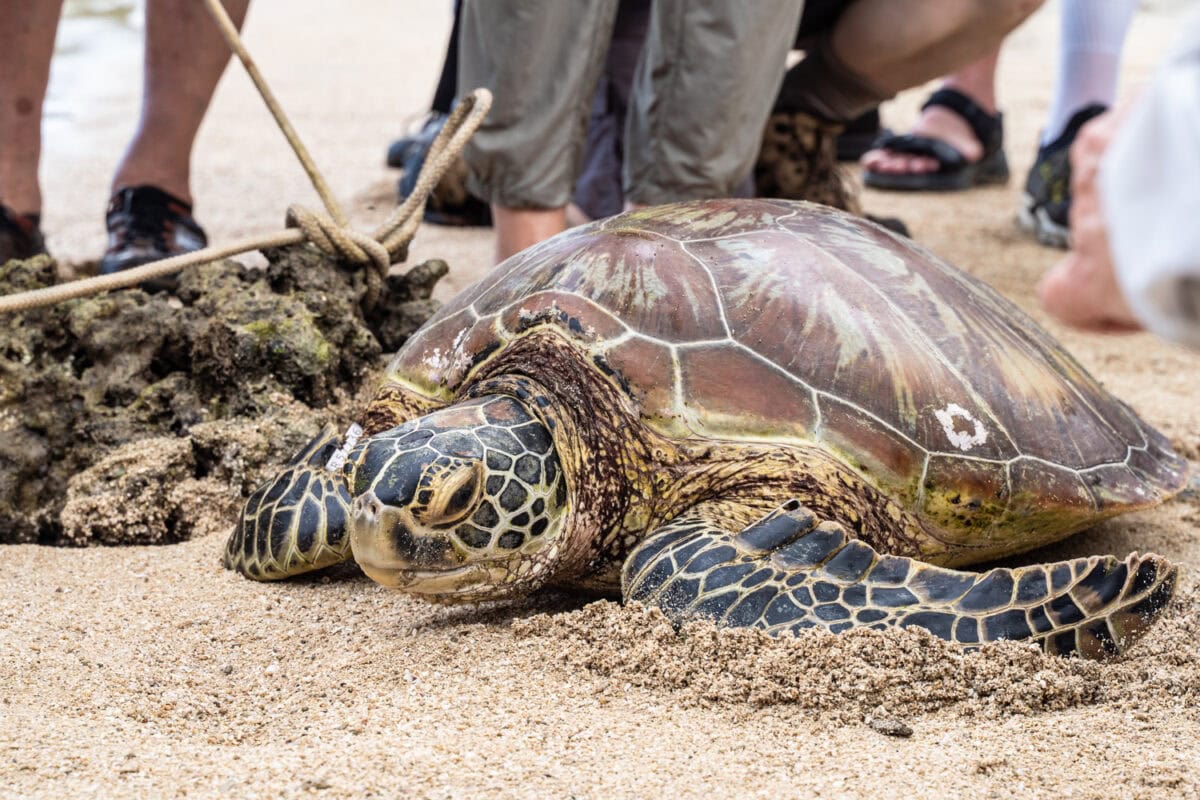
x: 296, y: 522
x: 786, y: 573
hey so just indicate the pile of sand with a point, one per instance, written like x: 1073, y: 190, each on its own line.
x: 848, y: 678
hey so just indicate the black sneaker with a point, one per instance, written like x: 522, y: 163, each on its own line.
x: 146, y: 224
x: 20, y: 235
x: 450, y: 202
x: 1046, y: 206
x: 399, y: 150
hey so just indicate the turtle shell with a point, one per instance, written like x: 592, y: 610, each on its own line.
x: 780, y: 321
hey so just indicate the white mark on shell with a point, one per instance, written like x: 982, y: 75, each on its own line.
x: 447, y: 365
x: 338, y: 459
x: 435, y: 360
x: 963, y: 440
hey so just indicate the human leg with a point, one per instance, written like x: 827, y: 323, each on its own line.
x: 1092, y: 35
x: 518, y: 228
x: 184, y: 58
x: 399, y: 151
x: 25, y: 51
x: 599, y: 192
x: 896, y: 44
x: 149, y: 216
x: 541, y: 60
x: 879, y: 47
x: 1089, y: 58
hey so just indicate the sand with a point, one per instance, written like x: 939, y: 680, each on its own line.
x: 151, y: 672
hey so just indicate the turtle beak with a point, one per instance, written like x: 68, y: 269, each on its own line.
x: 385, y: 546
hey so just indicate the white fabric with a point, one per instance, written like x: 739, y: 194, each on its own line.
x: 1089, y: 58
x: 1150, y: 195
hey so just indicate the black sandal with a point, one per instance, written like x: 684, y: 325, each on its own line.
x: 954, y: 171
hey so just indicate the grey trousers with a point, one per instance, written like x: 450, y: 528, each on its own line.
x: 704, y: 86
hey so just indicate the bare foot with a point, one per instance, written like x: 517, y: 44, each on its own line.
x: 937, y: 123
x: 1082, y: 289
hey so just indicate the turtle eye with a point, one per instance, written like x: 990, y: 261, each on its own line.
x: 447, y: 493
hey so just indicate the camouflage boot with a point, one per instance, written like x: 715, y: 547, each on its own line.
x: 798, y: 161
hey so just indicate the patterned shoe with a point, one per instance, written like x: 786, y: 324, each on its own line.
x: 146, y: 224
x: 20, y: 235
x: 1046, y: 206
x: 798, y: 161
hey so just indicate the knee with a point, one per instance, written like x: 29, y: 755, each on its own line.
x: 1005, y: 14
x: 981, y: 22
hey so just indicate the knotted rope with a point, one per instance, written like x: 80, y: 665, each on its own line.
x: 330, y: 232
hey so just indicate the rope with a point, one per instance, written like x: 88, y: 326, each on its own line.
x: 234, y: 40
x: 329, y: 231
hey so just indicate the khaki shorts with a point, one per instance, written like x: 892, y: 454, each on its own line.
x: 704, y: 87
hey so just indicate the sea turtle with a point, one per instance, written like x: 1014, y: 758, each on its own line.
x: 765, y: 413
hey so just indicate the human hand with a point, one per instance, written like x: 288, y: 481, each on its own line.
x: 1082, y: 289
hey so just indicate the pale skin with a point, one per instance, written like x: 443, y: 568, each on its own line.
x: 894, y: 44
x: 184, y: 58
x: 1082, y: 289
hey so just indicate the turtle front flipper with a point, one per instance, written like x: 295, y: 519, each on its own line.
x: 787, y: 573
x: 295, y: 522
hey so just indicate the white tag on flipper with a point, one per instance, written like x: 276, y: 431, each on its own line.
x: 338, y: 459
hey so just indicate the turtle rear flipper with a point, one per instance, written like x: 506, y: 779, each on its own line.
x: 295, y: 522
x: 787, y: 573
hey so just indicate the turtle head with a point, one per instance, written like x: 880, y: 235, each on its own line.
x: 465, y: 504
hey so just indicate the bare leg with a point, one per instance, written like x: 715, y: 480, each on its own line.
x: 879, y: 47
x: 185, y: 56
x: 518, y: 228
x: 25, y: 50
x: 977, y: 81
x: 895, y: 45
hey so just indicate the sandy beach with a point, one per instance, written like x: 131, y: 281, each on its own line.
x: 153, y: 672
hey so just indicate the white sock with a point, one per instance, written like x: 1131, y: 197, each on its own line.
x: 1089, y: 58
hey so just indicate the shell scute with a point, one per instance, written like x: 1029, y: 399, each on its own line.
x: 646, y: 369
x: 726, y: 393
x: 692, y: 221
x: 997, y: 349
x: 434, y: 359
x: 1037, y: 479
x: 966, y: 495
x: 646, y: 281
x: 892, y: 461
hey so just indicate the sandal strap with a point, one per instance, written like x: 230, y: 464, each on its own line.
x: 988, y: 128
x: 947, y: 156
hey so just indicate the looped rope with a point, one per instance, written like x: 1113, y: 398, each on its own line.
x: 337, y: 240
x: 460, y: 126
x: 328, y: 232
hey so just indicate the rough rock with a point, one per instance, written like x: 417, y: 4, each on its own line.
x: 110, y: 404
